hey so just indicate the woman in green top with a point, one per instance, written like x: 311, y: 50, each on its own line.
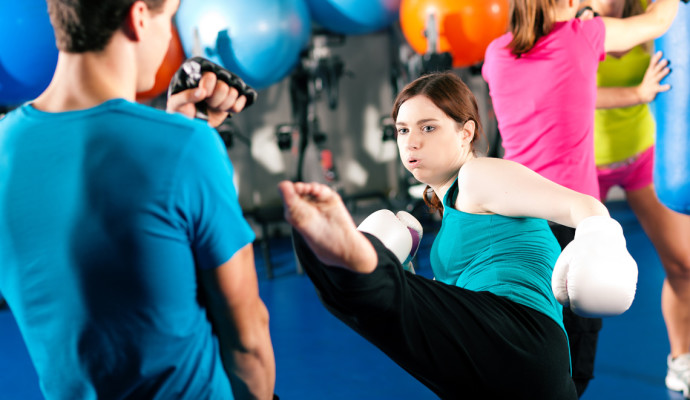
x: 624, y: 136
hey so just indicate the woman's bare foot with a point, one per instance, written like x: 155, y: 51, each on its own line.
x: 319, y: 215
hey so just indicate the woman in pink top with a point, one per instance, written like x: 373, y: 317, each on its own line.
x: 542, y: 82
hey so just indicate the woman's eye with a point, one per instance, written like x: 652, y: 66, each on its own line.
x: 402, y: 131
x: 427, y: 128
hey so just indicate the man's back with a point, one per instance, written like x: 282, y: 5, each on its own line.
x: 105, y: 213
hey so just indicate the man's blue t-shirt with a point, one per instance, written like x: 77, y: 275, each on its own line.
x: 107, y: 214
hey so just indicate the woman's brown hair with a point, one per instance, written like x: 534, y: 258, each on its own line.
x: 530, y: 20
x: 634, y: 7
x: 450, y: 94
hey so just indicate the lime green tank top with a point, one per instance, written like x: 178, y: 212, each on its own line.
x: 620, y: 133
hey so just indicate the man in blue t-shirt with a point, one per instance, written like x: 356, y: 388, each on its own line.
x: 124, y: 255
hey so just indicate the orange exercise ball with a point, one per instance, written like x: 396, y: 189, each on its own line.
x: 171, y: 63
x: 465, y: 27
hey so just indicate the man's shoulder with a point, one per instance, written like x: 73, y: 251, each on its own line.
x: 151, y: 115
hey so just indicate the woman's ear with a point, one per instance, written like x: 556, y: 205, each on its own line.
x: 468, y: 130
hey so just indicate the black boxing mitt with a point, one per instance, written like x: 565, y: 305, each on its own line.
x: 189, y: 75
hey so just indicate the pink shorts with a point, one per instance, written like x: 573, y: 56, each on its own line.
x: 630, y: 174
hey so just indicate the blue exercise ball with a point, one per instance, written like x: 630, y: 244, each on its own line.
x: 354, y: 17
x: 28, y: 54
x: 672, y: 112
x: 259, y: 40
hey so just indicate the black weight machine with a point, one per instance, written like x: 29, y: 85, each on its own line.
x: 316, y: 76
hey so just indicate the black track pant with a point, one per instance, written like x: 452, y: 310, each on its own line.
x: 583, y: 333
x: 459, y: 343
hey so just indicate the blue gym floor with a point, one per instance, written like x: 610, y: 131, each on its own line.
x: 318, y: 357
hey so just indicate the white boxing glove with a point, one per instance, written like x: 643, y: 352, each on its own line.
x: 400, y: 234
x: 595, y: 275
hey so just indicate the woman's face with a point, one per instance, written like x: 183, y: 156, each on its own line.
x: 430, y: 143
x: 608, y: 8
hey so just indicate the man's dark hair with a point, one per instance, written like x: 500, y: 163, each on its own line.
x: 88, y: 25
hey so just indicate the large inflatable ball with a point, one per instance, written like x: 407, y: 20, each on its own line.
x: 672, y: 113
x: 465, y: 27
x: 354, y: 16
x: 27, y: 50
x: 259, y: 40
